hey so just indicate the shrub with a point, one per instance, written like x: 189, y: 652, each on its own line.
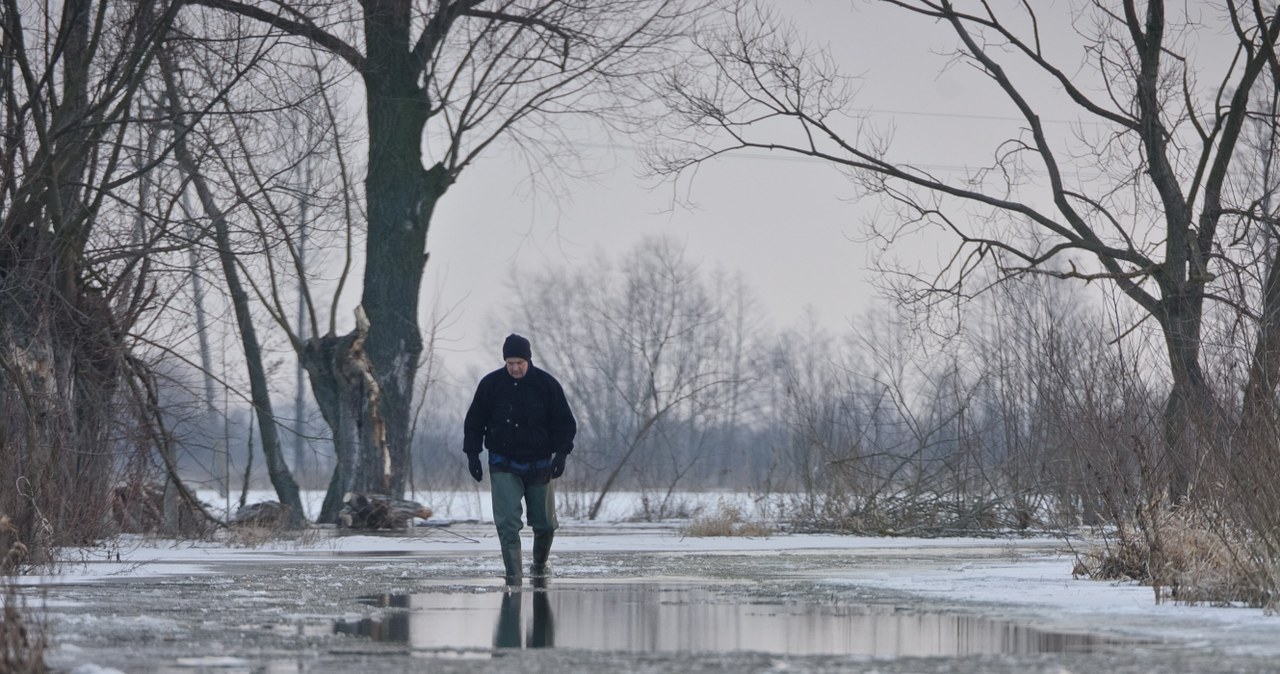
x: 726, y: 521
x: 1187, y: 555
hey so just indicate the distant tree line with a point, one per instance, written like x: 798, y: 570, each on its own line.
x: 1019, y: 416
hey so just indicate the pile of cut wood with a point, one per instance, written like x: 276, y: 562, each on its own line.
x: 378, y: 511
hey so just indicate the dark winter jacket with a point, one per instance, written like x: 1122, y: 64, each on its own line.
x: 524, y: 419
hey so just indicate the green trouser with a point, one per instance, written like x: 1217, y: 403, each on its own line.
x: 507, y: 490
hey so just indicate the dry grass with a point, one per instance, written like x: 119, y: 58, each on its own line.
x: 252, y: 536
x: 726, y: 521
x: 23, y: 639
x: 1186, y: 556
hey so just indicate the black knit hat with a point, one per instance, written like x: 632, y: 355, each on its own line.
x: 516, y: 347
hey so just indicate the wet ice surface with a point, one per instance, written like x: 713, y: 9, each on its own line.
x: 314, y: 611
x: 675, y: 617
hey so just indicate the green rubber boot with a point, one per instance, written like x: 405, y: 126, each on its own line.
x: 541, y: 550
x: 511, y: 560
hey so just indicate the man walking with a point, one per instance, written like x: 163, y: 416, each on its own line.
x: 520, y: 414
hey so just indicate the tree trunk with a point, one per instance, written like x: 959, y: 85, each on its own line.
x: 299, y: 383
x: 1192, y: 418
x: 401, y: 198
x: 209, y: 414
x: 278, y: 471
x: 1256, y: 434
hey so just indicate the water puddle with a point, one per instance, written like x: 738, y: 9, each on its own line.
x: 659, y: 617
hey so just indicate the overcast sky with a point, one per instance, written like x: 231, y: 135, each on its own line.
x: 790, y: 225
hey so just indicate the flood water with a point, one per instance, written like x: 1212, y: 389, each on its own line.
x: 641, y: 617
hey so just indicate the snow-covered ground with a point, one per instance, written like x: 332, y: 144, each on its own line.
x: 126, y: 605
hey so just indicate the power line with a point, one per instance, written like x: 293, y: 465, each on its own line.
x: 783, y: 155
x: 985, y: 118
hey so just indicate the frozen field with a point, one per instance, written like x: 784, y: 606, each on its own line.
x: 625, y: 597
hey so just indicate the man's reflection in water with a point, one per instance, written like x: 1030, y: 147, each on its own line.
x: 542, y: 631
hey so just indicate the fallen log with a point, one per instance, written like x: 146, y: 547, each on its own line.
x: 266, y: 514
x: 378, y: 511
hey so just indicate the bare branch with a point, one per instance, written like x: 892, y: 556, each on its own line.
x: 300, y: 27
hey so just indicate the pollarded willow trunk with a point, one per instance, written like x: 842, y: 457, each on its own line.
x: 59, y: 367
x: 66, y: 310
x: 60, y: 347
x: 339, y: 390
x: 33, y: 432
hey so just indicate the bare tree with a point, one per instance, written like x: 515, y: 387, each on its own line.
x: 821, y: 454
x: 649, y: 360
x: 1148, y: 216
x: 1020, y: 416
x: 263, y: 144
x: 73, y: 278
x: 443, y: 81
x: 281, y: 477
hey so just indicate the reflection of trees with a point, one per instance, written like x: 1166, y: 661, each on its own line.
x: 394, y: 628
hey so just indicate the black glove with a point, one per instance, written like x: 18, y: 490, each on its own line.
x: 473, y: 466
x: 557, y: 464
